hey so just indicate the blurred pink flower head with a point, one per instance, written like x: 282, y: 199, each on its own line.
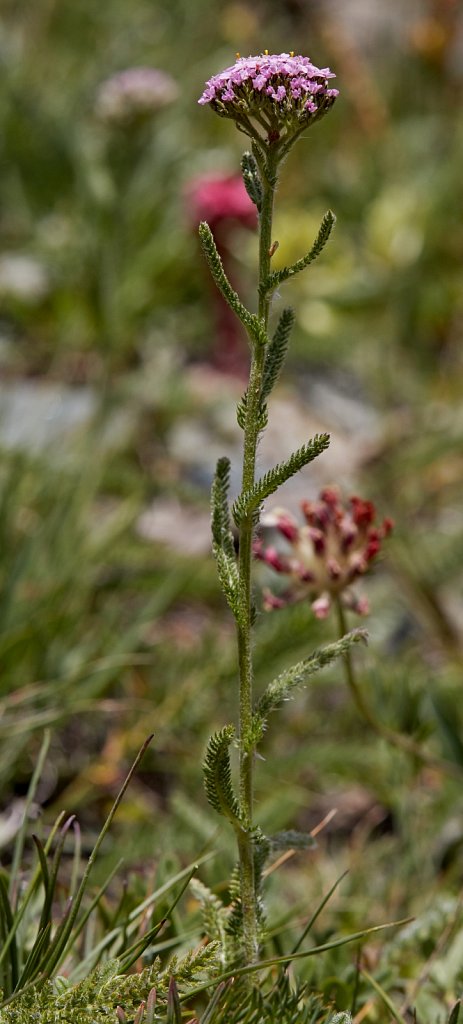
x: 323, y: 557
x: 134, y: 95
x: 281, y: 93
x: 219, y: 198
x: 223, y: 202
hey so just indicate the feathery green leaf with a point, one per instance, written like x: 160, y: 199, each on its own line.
x: 217, y: 776
x: 280, y: 689
x: 241, y: 410
x: 221, y: 528
x: 278, y: 276
x: 250, y: 321
x: 248, y: 503
x: 227, y: 571
x: 290, y: 839
x: 276, y: 352
x: 222, y: 537
x: 214, y: 914
x: 251, y: 178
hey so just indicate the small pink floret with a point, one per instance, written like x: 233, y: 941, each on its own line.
x: 321, y: 607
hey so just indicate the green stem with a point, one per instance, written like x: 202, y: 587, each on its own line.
x: 396, y: 739
x: 251, y: 433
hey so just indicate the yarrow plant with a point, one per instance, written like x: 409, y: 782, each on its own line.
x: 325, y: 555
x: 273, y: 99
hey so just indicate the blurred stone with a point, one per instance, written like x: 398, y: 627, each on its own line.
x: 197, y: 442
x: 23, y: 278
x: 40, y: 417
x: 372, y: 24
x: 34, y: 416
x: 181, y: 526
x: 10, y: 822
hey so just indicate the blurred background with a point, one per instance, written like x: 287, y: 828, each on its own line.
x: 119, y: 373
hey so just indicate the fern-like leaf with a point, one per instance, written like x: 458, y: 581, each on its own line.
x: 214, y: 916
x: 281, y: 688
x: 251, y: 178
x: 217, y: 776
x: 278, y: 276
x: 241, y: 410
x: 193, y: 965
x: 227, y: 571
x: 221, y: 528
x: 276, y: 352
x: 261, y: 849
x: 249, y: 502
x: 222, y: 537
x: 250, y: 321
x: 291, y: 839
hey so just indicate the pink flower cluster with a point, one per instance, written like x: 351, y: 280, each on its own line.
x: 276, y: 89
x: 323, y: 557
x: 218, y: 199
x: 133, y: 95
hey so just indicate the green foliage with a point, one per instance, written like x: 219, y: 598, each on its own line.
x: 222, y: 537
x: 281, y: 688
x: 174, y: 1009
x: 276, y: 352
x: 68, y: 576
x: 22, y: 965
x: 152, y: 997
x: 248, y: 504
x: 227, y: 571
x: 214, y: 917
x: 217, y: 776
x: 276, y: 1001
x: 290, y: 839
x: 251, y: 178
x: 241, y: 410
x: 221, y: 528
x: 96, y: 999
x: 278, y: 276
x: 261, y: 848
x: 249, y: 320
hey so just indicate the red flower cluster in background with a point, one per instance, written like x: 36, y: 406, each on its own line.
x: 222, y: 201
x: 323, y: 557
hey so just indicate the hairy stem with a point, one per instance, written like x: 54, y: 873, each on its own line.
x: 251, y: 432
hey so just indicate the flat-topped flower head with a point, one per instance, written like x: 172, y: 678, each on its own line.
x: 271, y: 97
x: 323, y: 556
